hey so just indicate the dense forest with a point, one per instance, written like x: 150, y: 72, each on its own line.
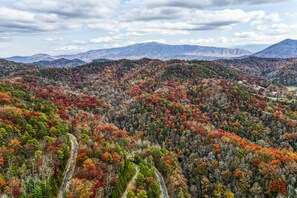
x: 282, y: 71
x: 202, y: 128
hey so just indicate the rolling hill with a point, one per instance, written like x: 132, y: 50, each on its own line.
x: 62, y: 62
x: 10, y: 67
x: 207, y: 129
x: 240, y: 137
x: 187, y: 128
x: 282, y: 71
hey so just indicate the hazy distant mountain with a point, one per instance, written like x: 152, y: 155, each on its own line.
x: 160, y: 51
x: 31, y: 59
x: 143, y: 50
x: 253, y: 47
x: 102, y: 60
x: 62, y: 62
x: 283, y: 49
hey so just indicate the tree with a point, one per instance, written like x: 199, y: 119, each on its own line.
x: 116, y: 158
x: 2, y: 183
x: 43, y: 129
x: 142, y: 194
x: 130, y: 194
x: 154, y: 189
x: 1, y: 160
x: 53, y: 131
x: 29, y: 129
x: 229, y: 194
x: 279, y: 187
x: 219, y: 190
x: 38, y: 191
x: 105, y: 156
x: 140, y: 179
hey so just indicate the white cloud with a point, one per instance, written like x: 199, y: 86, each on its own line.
x: 12, y: 20
x: 79, y: 42
x: 245, y: 34
x: 106, y: 39
x: 206, y: 41
x: 246, y: 38
x: 155, y: 40
x: 275, y: 28
x: 273, y: 17
x: 292, y: 15
x: 123, y: 22
x: 70, y: 48
x: 160, y: 13
x: 198, y: 20
x: 70, y: 8
x: 4, y: 38
x: 54, y: 39
x: 225, y: 17
x: 204, y: 3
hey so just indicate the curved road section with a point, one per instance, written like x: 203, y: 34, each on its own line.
x: 164, y: 192
x: 70, y: 165
x: 131, y: 182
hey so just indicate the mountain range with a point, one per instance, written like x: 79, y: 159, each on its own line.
x: 154, y: 50
x: 160, y: 51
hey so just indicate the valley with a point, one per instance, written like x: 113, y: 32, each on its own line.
x: 220, y: 131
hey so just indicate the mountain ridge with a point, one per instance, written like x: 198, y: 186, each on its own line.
x: 152, y: 50
x: 31, y: 59
x: 61, y: 62
x: 284, y: 49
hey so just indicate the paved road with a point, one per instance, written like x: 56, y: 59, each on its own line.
x: 131, y: 182
x: 164, y: 192
x: 70, y: 165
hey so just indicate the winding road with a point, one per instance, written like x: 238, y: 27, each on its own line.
x: 131, y: 182
x: 70, y: 166
x: 164, y: 192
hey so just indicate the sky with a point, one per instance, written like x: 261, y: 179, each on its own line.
x: 60, y: 27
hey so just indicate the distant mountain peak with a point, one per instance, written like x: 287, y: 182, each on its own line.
x: 284, y: 49
x: 289, y: 40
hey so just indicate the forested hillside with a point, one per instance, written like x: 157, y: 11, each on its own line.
x: 209, y: 130
x: 34, y: 145
x: 282, y: 71
x: 9, y: 67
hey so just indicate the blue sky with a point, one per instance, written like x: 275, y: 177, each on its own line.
x: 66, y: 26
